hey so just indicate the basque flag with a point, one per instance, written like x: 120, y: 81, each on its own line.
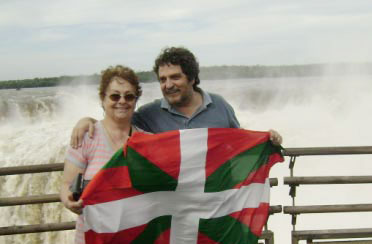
x: 194, y: 186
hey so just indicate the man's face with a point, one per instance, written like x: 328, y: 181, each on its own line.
x: 175, y: 86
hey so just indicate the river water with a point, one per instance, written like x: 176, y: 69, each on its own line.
x: 35, y: 126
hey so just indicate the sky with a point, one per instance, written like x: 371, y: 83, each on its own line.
x: 42, y: 38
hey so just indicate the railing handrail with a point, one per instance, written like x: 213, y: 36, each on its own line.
x: 49, y: 198
x: 314, y: 180
x: 29, y: 169
x: 333, y: 233
x: 303, y: 151
x: 24, y: 200
x: 312, y: 151
x: 334, y: 208
x: 24, y: 229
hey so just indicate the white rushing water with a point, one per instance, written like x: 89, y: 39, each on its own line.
x: 35, y: 126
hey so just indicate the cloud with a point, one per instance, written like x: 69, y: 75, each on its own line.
x: 96, y: 33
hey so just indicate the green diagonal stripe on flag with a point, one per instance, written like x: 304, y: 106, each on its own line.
x: 215, y: 229
x: 117, y: 160
x: 153, y: 230
x: 236, y: 169
x: 143, y: 172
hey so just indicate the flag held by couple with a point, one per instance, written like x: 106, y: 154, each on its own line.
x: 190, y: 186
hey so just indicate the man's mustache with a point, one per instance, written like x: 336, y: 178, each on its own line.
x: 170, y: 91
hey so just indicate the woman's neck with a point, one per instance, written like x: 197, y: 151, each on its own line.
x: 123, y: 125
x: 117, y: 132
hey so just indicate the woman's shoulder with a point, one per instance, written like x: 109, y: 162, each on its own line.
x: 97, y: 135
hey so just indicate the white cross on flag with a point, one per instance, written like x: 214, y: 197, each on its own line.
x: 198, y: 186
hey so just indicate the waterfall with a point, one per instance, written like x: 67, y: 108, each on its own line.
x: 35, y: 127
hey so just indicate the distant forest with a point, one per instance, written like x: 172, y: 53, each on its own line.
x: 209, y: 73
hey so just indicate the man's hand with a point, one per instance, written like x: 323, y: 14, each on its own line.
x: 84, y: 125
x: 275, y: 137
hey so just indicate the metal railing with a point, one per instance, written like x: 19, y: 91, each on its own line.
x: 267, y: 235
x: 349, y: 235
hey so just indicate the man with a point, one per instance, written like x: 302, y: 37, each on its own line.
x: 183, y: 106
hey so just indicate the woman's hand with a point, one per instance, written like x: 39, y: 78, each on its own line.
x: 69, y: 174
x: 72, y: 205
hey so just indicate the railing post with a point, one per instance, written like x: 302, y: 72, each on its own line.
x: 271, y: 240
x: 294, y: 239
x: 292, y: 191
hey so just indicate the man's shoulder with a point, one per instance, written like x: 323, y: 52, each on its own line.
x: 216, y: 98
x: 151, y: 105
x: 148, y: 116
x: 150, y: 108
x: 214, y: 95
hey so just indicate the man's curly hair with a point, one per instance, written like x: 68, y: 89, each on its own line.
x: 123, y: 72
x: 182, y: 57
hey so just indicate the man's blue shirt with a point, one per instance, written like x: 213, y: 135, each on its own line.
x: 159, y: 116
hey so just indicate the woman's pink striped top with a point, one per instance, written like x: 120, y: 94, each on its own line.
x: 92, y: 156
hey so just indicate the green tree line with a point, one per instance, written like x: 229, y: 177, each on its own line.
x: 209, y: 73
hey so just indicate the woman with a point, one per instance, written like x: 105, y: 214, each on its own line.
x: 119, y: 91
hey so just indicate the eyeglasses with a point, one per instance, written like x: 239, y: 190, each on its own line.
x: 115, y: 97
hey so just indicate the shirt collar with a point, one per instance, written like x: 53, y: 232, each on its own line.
x: 206, y: 101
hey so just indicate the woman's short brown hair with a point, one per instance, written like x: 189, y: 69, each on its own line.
x: 123, y: 72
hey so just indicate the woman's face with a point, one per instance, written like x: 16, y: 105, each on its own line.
x: 123, y: 108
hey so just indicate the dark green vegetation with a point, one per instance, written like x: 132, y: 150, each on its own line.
x: 65, y: 81
x: 210, y: 73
